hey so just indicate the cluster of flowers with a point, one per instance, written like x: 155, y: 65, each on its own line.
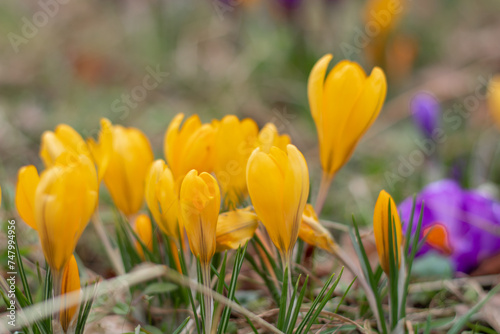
x: 210, y: 168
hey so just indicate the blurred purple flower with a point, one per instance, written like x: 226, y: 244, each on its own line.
x: 289, y: 4
x: 426, y: 113
x: 468, y: 223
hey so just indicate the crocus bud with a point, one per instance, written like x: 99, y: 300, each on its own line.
x: 65, y: 199
x: 278, y: 184
x: 312, y: 232
x: 162, y: 198
x: 63, y: 139
x: 381, y: 221
x: 128, y: 164
x: 344, y: 105
x: 269, y: 137
x: 426, y: 113
x: 494, y: 99
x: 27, y: 182
x: 70, y: 283
x: 234, y: 142
x: 189, y: 147
x: 144, y: 231
x: 199, y: 206
x: 235, y: 228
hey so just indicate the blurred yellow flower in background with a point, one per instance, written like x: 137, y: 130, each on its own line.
x: 144, y: 230
x: 381, y: 229
x: 199, y: 206
x: 494, y: 99
x: 269, y: 136
x: 234, y: 142
x: 278, y: 184
x: 190, y: 146
x: 128, y: 164
x: 70, y: 283
x: 235, y: 228
x: 65, y: 199
x: 27, y: 182
x: 63, y: 139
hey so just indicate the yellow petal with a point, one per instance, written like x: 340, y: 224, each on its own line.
x: 199, y: 205
x: 27, y: 182
x: 70, y: 283
x: 63, y: 139
x: 65, y: 199
x: 235, y: 228
x: 312, y: 232
x: 315, y: 86
x: 129, y: 162
x: 269, y: 137
x: 144, y: 231
x: 102, y: 150
x: 381, y: 229
x: 494, y: 99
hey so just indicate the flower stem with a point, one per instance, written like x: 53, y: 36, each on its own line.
x: 209, y: 301
x: 324, y: 186
x: 57, y: 277
x: 113, y: 255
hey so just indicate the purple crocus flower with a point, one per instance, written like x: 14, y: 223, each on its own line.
x: 467, y: 223
x: 426, y: 113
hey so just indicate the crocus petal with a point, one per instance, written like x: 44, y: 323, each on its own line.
x: 144, y: 231
x: 27, y: 182
x: 70, y: 283
x: 312, y: 232
x: 494, y: 99
x: 381, y: 229
x: 269, y: 137
x: 235, y: 228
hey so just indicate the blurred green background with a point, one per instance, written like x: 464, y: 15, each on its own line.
x: 83, y: 60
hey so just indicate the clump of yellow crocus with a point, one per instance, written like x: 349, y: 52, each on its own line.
x: 234, y: 142
x: 269, y: 136
x: 278, y: 184
x: 494, y: 99
x: 199, y: 206
x: 344, y: 104
x: 128, y: 164
x: 190, y: 146
x: 144, y: 231
x: 70, y: 283
x: 381, y: 223
x: 235, y: 228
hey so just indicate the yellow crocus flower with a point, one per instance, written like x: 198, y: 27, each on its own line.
x: 235, y: 228
x: 63, y: 139
x: 494, y: 99
x: 65, y: 199
x: 189, y: 147
x: 343, y: 105
x: 128, y: 164
x: 278, y: 184
x: 312, y: 232
x: 381, y: 229
x: 70, y: 283
x: 144, y: 231
x: 199, y: 206
x: 27, y: 182
x: 269, y: 136
x: 234, y: 142
x: 162, y: 198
